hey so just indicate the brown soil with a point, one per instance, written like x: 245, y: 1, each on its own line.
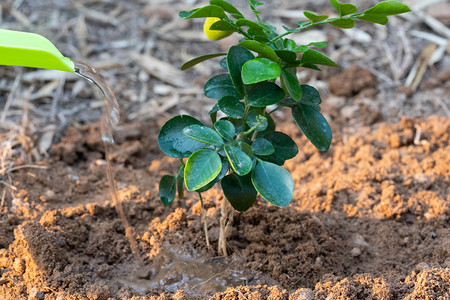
x: 370, y: 219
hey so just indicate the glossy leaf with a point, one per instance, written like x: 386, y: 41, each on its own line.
x: 225, y: 129
x: 378, y: 19
x: 262, y: 49
x: 318, y: 44
x: 250, y: 24
x: 285, y: 147
x: 289, y: 44
x: 273, y: 183
x: 262, y: 146
x: 167, y: 189
x: 253, y: 118
x: 301, y: 48
x: 203, y: 134
x: 239, y: 191
x: 238, y: 124
x: 220, y: 86
x: 237, y: 56
x: 173, y: 142
x: 303, y: 23
x: 223, y: 26
x: 239, y: 161
x: 290, y: 81
x: 264, y: 94
x: 260, y: 69
x: 201, y: 168
x: 204, y: 12
x: 231, y: 107
x: 311, y: 97
x: 313, y: 125
x: 219, y: 177
x: 287, y: 55
x: 200, y: 59
x: 387, y: 8
x: 344, y: 23
x: 313, y: 17
x: 228, y: 7
x: 311, y: 66
x: 343, y: 9
x: 315, y: 57
x: 246, y: 148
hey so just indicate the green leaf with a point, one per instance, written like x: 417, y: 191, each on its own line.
x: 289, y: 44
x: 239, y: 191
x: 228, y: 7
x: 264, y: 94
x: 203, y: 12
x: 250, y: 24
x: 199, y: 59
x: 313, y: 17
x: 222, y: 25
x: 167, y: 189
x: 270, y: 125
x: 313, y: 125
x: 387, y: 8
x: 315, y: 57
x: 262, y: 49
x: 344, y: 23
x: 239, y: 160
x: 311, y: 66
x: 173, y: 142
x: 203, y: 134
x: 311, y: 97
x: 246, y: 148
x: 383, y: 20
x: 287, y: 55
x: 318, y: 44
x: 301, y: 48
x: 238, y: 124
x: 290, y: 81
x: 253, y: 118
x: 285, y: 147
x: 219, y: 177
x: 225, y: 129
x: 220, y: 86
x: 273, y: 183
x: 303, y: 23
x: 223, y: 64
x: 237, y: 56
x: 343, y: 9
x: 260, y: 69
x: 262, y: 146
x: 231, y: 107
x: 201, y: 168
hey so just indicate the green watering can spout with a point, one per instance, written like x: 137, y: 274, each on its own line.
x: 31, y: 50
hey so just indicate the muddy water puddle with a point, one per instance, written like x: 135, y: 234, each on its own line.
x: 173, y: 269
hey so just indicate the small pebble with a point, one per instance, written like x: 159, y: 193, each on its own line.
x: 356, y: 252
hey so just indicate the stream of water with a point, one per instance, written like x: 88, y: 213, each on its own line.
x: 110, y: 119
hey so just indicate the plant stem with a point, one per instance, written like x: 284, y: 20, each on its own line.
x: 226, y: 220
x: 205, y: 221
x: 306, y: 26
x: 230, y: 22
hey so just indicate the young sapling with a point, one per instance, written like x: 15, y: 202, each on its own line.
x: 243, y: 150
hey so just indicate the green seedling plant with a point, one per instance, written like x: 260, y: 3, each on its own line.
x: 243, y: 150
